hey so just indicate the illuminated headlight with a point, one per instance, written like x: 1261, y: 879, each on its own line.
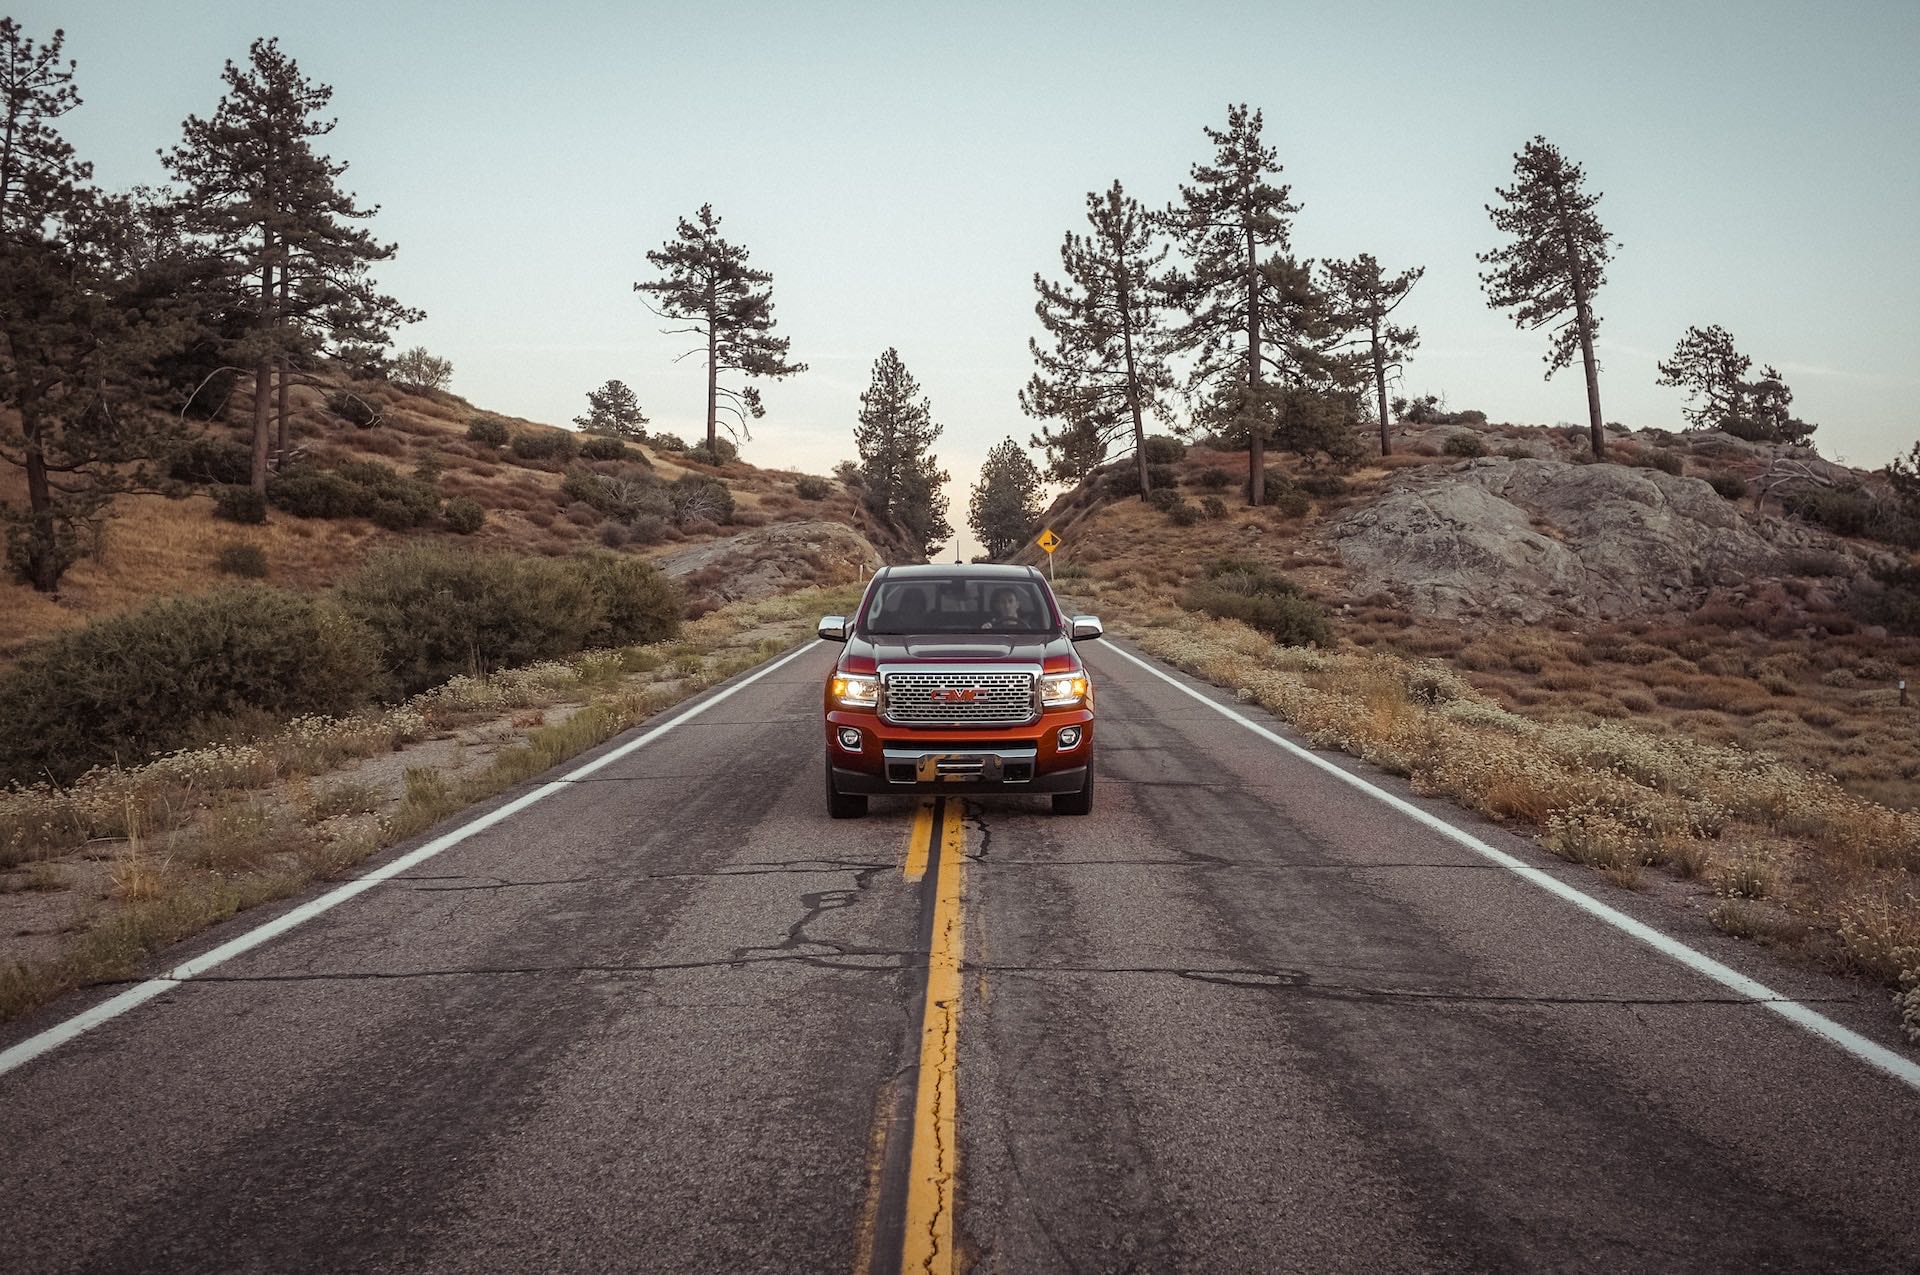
x: 850, y: 739
x: 856, y: 692
x: 1058, y: 689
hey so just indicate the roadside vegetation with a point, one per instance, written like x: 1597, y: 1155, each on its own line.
x: 98, y: 875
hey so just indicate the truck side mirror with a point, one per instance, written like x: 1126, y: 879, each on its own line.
x: 833, y: 628
x: 1083, y: 627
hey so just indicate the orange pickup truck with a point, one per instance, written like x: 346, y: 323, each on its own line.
x: 959, y: 679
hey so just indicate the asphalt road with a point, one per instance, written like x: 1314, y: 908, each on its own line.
x: 670, y: 1018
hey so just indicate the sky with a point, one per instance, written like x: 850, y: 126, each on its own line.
x: 903, y: 170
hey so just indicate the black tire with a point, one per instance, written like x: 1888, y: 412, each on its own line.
x: 1076, y: 803
x: 843, y: 805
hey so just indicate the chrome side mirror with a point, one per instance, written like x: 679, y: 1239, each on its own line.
x: 1083, y: 627
x: 833, y: 628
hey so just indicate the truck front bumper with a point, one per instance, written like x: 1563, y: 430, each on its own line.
x: 892, y: 759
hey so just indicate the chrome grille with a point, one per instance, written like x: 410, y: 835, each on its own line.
x: 958, y: 697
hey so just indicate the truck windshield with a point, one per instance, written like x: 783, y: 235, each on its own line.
x: 959, y: 605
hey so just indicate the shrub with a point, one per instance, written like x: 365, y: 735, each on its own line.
x: 1666, y: 462
x: 1283, y: 495
x: 464, y: 515
x: 603, y: 447
x: 810, y: 488
x: 625, y: 496
x: 1213, y: 479
x: 723, y: 452
x: 129, y: 685
x: 239, y: 503
x: 1324, y: 485
x: 317, y: 493
x: 437, y: 611
x: 637, y: 602
x: 211, y: 461
x: 701, y: 497
x: 1464, y: 444
x: 1164, y: 499
x: 668, y: 442
x: 614, y: 535
x: 489, y: 431
x: 249, y: 562
x: 1163, y: 449
x: 363, y: 489
x: 353, y: 409
x: 418, y: 370
x: 648, y: 529
x: 1214, y: 507
x: 1124, y: 478
x: 1236, y: 589
x: 1732, y: 486
x: 544, y: 444
x: 1183, y: 514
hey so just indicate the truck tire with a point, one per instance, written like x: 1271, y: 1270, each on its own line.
x: 1076, y: 803
x: 844, y: 805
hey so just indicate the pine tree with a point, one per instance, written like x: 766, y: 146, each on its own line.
x: 1764, y: 414
x: 707, y: 283
x: 612, y: 410
x: 1256, y: 326
x: 78, y: 327
x: 254, y: 189
x: 1006, y: 501
x: 1364, y: 299
x: 1107, y: 369
x: 901, y: 479
x: 1556, y: 262
x: 1707, y: 366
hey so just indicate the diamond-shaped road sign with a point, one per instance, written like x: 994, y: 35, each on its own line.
x: 1048, y: 541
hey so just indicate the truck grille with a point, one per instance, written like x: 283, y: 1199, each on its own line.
x: 959, y: 698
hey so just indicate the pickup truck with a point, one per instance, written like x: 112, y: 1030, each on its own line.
x: 959, y: 679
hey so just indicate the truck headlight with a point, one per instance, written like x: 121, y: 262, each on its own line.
x: 1057, y: 690
x: 856, y: 692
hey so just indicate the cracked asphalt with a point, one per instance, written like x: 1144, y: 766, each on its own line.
x: 1240, y: 1019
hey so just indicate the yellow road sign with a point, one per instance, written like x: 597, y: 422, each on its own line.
x: 1048, y: 541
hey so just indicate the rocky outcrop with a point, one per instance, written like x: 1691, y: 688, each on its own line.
x: 1528, y: 539
x: 769, y: 560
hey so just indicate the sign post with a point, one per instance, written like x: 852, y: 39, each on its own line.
x: 1049, y: 542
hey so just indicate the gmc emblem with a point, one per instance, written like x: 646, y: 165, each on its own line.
x: 951, y: 696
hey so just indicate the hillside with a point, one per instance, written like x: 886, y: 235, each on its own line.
x: 157, y: 545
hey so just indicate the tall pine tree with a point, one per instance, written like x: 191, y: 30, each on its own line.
x: 706, y: 282
x: 1364, y: 298
x: 1256, y: 326
x: 1107, y: 369
x: 902, y: 480
x: 1555, y: 263
x: 1005, y: 507
x: 79, y: 326
x: 262, y: 199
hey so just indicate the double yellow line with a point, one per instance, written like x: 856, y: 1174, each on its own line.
x: 933, y: 1163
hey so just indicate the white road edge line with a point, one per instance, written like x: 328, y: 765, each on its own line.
x: 1870, y: 1052
x: 60, y: 1033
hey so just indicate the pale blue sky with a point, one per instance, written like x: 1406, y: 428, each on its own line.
x: 904, y: 169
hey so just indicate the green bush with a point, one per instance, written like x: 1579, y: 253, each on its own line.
x: 209, y: 461
x: 1283, y: 495
x: 1854, y: 511
x: 637, y: 602
x: 1213, y: 479
x: 1163, y: 449
x: 724, y: 452
x: 141, y: 682
x: 1464, y: 444
x: 1665, y: 461
x: 626, y: 496
x: 489, y: 431
x: 317, y: 493
x: 1124, y: 478
x: 437, y: 611
x: 1183, y: 514
x: 249, y: 562
x: 544, y: 444
x: 239, y: 503
x: 668, y: 442
x: 1732, y: 486
x: 701, y: 496
x: 603, y: 447
x: 807, y: 487
x: 1214, y: 507
x: 1324, y: 485
x: 1238, y: 589
x: 360, y: 489
x: 1164, y: 499
x: 464, y: 515
x: 353, y: 409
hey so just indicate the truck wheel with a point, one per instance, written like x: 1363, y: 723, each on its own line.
x: 843, y: 805
x: 1076, y: 803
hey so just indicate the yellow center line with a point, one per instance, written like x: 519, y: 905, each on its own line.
x: 921, y: 840
x: 928, y: 1242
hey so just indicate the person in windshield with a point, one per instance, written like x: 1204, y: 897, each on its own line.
x: 1003, y: 611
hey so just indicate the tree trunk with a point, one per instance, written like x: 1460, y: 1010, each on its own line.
x: 43, y: 571
x: 1380, y: 384
x: 263, y: 378
x: 1133, y: 393
x: 280, y: 446
x: 1583, y: 317
x: 1256, y: 423
x: 713, y: 378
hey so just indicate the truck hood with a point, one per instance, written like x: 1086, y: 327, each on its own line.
x: 960, y: 648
